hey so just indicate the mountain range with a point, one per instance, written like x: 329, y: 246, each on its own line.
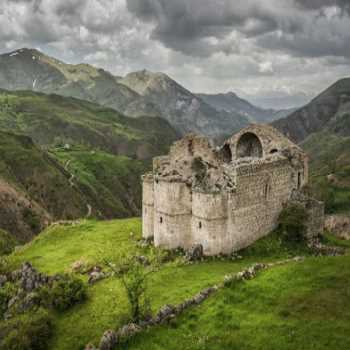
x: 75, y: 139
x: 141, y: 93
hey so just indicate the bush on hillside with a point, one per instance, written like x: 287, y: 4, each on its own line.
x: 4, y: 265
x: 292, y: 223
x: 7, y: 292
x: 31, y: 219
x: 30, y: 331
x: 7, y: 243
x: 64, y: 293
x: 324, y: 192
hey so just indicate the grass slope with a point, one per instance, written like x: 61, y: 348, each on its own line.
x: 112, y: 183
x: 33, y: 188
x: 59, y: 246
x: 244, y: 316
x: 297, y: 306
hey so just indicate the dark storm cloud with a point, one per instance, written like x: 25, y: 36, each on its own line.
x: 197, y: 18
x: 297, y: 26
x: 319, y: 4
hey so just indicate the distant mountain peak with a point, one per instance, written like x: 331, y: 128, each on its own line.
x: 141, y: 93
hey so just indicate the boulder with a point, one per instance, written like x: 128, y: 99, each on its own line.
x: 95, y: 276
x: 108, y: 340
x: 339, y: 225
x: 3, y: 280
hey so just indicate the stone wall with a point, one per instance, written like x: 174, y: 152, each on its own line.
x: 262, y: 189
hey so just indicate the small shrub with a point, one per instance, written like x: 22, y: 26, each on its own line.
x: 7, y: 243
x: 6, y: 293
x: 292, y: 223
x: 4, y: 265
x: 64, y: 293
x: 267, y: 246
x: 31, y: 219
x: 30, y: 331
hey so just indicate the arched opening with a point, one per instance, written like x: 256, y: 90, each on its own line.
x: 299, y: 180
x: 160, y: 220
x: 249, y: 145
x: 226, y: 153
x: 274, y: 150
x: 200, y: 225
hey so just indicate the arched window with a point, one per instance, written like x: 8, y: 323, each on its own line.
x: 249, y: 145
x: 200, y: 225
x: 161, y: 220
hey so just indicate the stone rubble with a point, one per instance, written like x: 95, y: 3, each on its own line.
x: 28, y: 280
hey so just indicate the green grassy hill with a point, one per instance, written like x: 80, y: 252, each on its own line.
x: 52, y: 120
x: 34, y: 189
x: 112, y: 183
x: 96, y: 157
x: 293, y: 306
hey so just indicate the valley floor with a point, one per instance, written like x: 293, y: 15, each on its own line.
x: 303, y: 305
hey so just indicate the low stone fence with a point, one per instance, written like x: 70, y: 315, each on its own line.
x: 110, y: 339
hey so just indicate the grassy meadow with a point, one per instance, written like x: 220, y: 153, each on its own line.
x: 298, y: 303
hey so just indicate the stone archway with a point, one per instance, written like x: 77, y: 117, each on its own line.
x: 249, y: 145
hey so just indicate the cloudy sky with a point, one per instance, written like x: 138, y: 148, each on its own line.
x: 284, y: 51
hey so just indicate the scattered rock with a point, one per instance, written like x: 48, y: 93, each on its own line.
x: 320, y: 249
x: 108, y: 340
x: 3, y: 280
x: 96, y: 276
x: 339, y: 225
x: 79, y: 266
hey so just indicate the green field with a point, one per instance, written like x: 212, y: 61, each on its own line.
x: 287, y: 301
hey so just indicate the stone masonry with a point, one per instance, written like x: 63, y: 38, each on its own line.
x: 223, y: 198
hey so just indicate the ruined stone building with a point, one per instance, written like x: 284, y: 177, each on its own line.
x: 224, y: 198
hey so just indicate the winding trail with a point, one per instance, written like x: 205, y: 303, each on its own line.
x: 72, y: 184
